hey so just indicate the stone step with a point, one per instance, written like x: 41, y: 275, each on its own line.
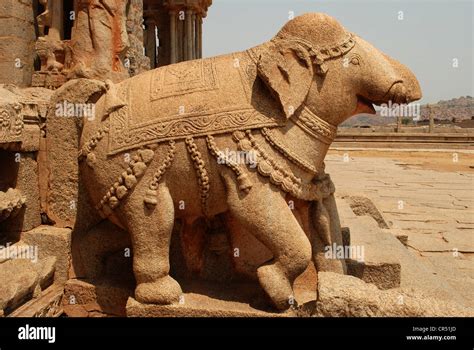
x: 383, y: 271
x: 383, y: 251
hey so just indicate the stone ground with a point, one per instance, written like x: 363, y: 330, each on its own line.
x: 427, y: 196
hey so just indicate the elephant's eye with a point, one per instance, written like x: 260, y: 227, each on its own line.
x: 355, y: 61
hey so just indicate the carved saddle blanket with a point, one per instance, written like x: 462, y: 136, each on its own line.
x: 193, y: 98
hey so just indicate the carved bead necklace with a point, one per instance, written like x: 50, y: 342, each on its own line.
x: 125, y: 182
x: 283, y: 149
x: 284, y: 179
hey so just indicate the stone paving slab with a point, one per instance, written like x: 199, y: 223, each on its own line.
x: 437, y: 211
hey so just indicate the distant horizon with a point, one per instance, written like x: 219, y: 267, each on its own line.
x: 432, y: 37
x: 447, y: 99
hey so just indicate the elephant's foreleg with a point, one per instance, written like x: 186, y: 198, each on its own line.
x: 150, y: 231
x: 265, y: 213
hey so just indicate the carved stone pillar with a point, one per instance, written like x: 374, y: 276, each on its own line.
x: 135, y: 57
x: 199, y: 36
x: 56, y: 30
x: 194, y: 36
x: 16, y: 42
x: 164, y: 36
x: 197, y: 25
x: 180, y: 35
x: 173, y: 37
x: 151, y: 40
x: 189, y: 35
x: 51, y: 20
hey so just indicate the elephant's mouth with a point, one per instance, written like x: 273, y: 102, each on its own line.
x: 396, y: 94
x: 364, y: 105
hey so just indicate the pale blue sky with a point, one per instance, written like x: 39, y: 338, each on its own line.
x: 427, y: 40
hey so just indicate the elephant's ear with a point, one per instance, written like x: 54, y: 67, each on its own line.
x: 112, y: 101
x: 287, y: 71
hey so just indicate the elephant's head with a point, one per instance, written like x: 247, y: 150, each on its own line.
x: 314, y: 61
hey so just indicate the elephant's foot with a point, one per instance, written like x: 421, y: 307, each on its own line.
x: 163, y: 291
x: 277, y: 286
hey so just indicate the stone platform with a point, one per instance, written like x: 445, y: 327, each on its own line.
x: 200, y: 299
x: 338, y: 296
x: 198, y: 306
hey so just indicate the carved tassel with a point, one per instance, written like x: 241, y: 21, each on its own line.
x: 151, y: 198
x: 245, y: 184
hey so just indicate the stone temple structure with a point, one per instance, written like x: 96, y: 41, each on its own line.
x: 45, y: 43
x: 95, y: 144
x: 179, y: 28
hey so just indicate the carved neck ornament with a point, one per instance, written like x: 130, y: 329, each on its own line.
x: 315, y: 126
x: 323, y: 53
x: 319, y: 188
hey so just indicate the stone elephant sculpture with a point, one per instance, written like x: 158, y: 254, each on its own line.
x: 235, y: 133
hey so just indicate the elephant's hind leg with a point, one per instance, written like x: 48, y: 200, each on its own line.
x: 265, y: 213
x: 150, y: 231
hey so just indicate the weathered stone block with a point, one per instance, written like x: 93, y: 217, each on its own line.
x: 27, y: 184
x: 13, y: 27
x: 384, y: 275
x: 31, y: 138
x: 19, y: 280
x: 21, y: 173
x: 16, y: 61
x: 52, y: 242
x: 347, y: 296
x: 45, y: 270
x: 83, y: 298
x: 19, y: 10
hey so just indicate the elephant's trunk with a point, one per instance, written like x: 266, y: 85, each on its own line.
x: 408, y: 89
